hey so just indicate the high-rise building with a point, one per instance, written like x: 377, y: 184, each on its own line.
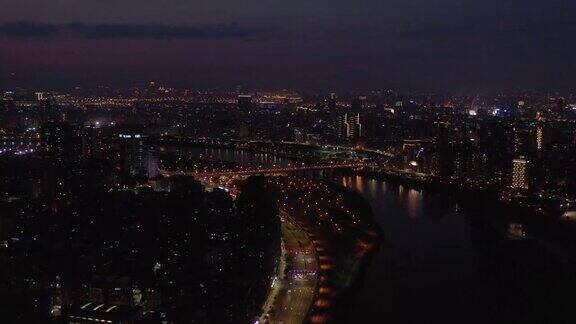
x: 137, y: 160
x: 132, y: 153
x: 91, y: 141
x: 350, y: 126
x: 539, y: 138
x: 342, y: 125
x: 521, y: 140
x: 151, y: 166
x: 59, y: 140
x: 519, y: 174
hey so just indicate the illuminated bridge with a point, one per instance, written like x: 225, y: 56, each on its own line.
x: 276, y: 170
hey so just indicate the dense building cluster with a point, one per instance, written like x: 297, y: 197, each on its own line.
x: 468, y: 141
x: 90, y: 233
x: 93, y: 218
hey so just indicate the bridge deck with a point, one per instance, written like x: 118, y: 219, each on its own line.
x: 266, y: 171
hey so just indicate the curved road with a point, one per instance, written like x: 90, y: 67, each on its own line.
x: 293, y: 291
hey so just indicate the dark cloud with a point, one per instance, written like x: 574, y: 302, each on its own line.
x: 135, y: 31
x: 28, y: 29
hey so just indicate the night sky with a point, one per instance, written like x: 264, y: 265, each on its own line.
x: 448, y: 45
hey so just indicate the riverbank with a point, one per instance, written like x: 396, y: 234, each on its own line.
x: 476, y: 254
x: 442, y: 250
x: 344, y: 235
x: 534, y: 203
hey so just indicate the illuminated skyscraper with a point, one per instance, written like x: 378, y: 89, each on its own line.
x: 539, y: 138
x: 519, y: 174
x: 137, y: 159
x: 354, y: 126
x: 349, y: 126
x: 133, y: 154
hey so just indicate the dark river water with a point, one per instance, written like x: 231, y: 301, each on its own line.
x: 448, y: 259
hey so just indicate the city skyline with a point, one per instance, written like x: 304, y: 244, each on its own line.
x: 255, y: 205
x: 275, y: 162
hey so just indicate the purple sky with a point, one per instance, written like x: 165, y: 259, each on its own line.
x: 411, y: 44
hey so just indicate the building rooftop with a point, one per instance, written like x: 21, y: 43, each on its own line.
x: 102, y: 313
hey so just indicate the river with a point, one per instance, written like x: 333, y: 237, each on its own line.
x: 448, y: 259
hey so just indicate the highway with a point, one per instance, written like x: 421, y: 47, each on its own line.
x: 293, y: 290
x: 292, y: 294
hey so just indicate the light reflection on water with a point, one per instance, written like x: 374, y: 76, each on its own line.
x: 360, y: 184
x: 224, y: 154
x: 414, y: 203
x: 442, y: 260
